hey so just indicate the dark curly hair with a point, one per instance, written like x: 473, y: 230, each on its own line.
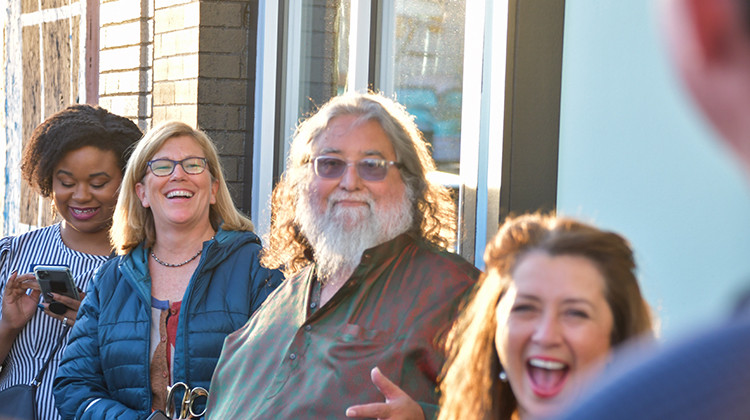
x: 72, y: 128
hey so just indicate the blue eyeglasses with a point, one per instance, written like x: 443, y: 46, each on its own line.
x: 369, y: 169
x: 165, y: 167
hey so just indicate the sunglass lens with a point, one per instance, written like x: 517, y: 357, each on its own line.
x: 372, y: 169
x: 328, y: 167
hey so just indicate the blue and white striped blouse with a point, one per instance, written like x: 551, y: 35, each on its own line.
x: 32, y: 346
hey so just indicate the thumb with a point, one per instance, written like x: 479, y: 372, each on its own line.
x: 384, y: 385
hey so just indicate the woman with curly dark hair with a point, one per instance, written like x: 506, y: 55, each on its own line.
x: 77, y: 158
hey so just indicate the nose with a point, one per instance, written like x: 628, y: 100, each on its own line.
x: 178, y: 172
x: 82, y: 192
x: 350, y: 180
x: 548, y: 331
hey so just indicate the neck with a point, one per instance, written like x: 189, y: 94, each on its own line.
x: 331, y: 284
x: 177, y: 240
x: 96, y: 243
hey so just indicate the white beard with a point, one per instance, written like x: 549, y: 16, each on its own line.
x: 340, y: 235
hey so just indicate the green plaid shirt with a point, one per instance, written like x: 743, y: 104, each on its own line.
x: 293, y: 361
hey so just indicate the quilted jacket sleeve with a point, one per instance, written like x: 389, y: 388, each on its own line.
x: 79, y: 387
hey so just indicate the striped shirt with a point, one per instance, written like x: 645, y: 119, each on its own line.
x: 33, y: 345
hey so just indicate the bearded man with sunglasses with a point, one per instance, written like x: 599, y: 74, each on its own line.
x: 362, y: 235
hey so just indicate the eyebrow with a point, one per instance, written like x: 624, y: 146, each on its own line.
x: 565, y: 301
x: 332, y: 150
x: 94, y: 175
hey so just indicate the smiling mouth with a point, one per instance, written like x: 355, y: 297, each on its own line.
x: 547, y: 377
x: 83, y: 213
x: 179, y: 194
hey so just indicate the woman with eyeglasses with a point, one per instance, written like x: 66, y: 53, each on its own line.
x: 187, y: 275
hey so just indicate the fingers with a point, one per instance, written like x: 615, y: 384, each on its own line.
x: 373, y: 410
x: 67, y: 301
x: 68, y: 317
x: 385, y: 386
x: 19, y: 283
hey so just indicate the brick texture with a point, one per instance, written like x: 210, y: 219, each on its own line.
x: 181, y: 60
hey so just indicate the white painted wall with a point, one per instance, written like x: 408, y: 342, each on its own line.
x: 637, y: 157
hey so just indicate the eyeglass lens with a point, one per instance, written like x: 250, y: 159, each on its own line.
x: 165, y: 167
x: 367, y: 169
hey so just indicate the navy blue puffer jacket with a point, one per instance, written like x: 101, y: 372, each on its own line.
x: 104, y: 372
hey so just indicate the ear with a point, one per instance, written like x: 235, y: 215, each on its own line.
x: 715, y: 23
x: 214, y: 190
x: 140, y: 191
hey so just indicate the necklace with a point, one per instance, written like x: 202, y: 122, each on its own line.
x: 166, y: 264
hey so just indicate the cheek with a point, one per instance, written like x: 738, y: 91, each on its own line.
x: 60, y: 196
x: 593, y: 346
x: 503, y: 339
x: 319, y: 192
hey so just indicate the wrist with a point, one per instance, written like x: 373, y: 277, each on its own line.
x: 8, y: 332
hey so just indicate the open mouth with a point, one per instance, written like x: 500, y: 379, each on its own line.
x: 179, y: 194
x: 547, y: 377
x: 83, y: 213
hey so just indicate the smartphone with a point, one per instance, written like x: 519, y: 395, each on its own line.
x: 55, y: 279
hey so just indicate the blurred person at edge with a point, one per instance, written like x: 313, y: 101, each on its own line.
x: 362, y: 234
x: 557, y: 296
x: 707, y: 375
x: 76, y: 157
x: 187, y: 274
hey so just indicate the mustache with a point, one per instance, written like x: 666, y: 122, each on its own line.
x: 338, y: 196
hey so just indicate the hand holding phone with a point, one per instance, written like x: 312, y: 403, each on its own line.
x: 55, y: 279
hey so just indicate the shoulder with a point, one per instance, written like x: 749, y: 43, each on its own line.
x: 45, y: 234
x: 231, y: 239
x: 703, y: 377
x: 436, y: 259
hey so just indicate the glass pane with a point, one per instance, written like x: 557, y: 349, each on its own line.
x: 324, y: 52
x: 428, y: 71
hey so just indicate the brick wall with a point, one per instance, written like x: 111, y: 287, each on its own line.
x: 182, y: 60
x: 49, y: 61
x: 126, y: 57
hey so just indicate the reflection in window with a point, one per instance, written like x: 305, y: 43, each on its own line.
x: 428, y: 72
x: 324, y: 52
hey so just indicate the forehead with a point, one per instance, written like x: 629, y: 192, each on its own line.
x: 348, y: 136
x: 558, y: 277
x: 179, y: 147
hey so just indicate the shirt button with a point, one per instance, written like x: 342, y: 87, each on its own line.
x: 164, y: 339
x: 308, y: 328
x: 313, y: 305
x: 165, y: 374
x: 173, y: 311
x: 292, y: 356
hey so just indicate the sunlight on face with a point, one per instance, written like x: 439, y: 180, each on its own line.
x: 553, y: 329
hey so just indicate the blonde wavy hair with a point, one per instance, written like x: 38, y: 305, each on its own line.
x: 470, y: 386
x: 132, y: 223
x: 433, y: 210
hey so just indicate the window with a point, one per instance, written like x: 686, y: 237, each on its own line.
x: 451, y: 75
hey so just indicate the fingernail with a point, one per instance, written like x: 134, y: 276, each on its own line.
x: 351, y: 413
x: 49, y: 295
x: 40, y: 306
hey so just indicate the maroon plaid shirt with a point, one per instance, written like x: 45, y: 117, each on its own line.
x: 291, y: 361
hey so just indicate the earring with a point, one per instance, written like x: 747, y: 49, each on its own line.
x: 503, y: 376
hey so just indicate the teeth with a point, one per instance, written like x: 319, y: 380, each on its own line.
x: 82, y: 211
x: 186, y: 194
x: 547, y: 364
